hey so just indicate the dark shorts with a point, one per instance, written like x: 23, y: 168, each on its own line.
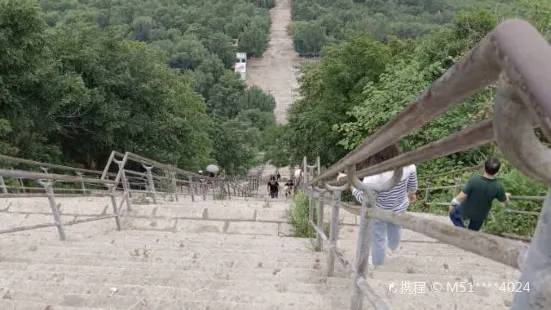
x: 457, y: 220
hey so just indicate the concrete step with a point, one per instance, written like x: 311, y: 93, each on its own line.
x: 8, y: 304
x: 179, y: 300
x: 206, y: 254
x: 195, y: 261
x: 29, y: 305
x: 424, y: 263
x: 131, y: 223
x: 150, y: 236
x: 124, y: 246
x: 125, y: 276
x: 167, y: 292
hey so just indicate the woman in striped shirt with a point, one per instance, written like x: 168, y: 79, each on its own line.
x: 396, y: 199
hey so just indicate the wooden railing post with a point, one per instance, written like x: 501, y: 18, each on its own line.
x: 111, y: 188
x: 334, y: 224
x: 153, y: 193
x: 190, y: 180
x: 174, y: 185
x: 48, y: 187
x: 319, y: 241
x: 204, y: 189
x: 362, y: 250
x: 125, y: 185
x: 81, y: 183
x: 3, y: 185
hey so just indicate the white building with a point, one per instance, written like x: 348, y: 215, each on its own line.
x: 241, y: 65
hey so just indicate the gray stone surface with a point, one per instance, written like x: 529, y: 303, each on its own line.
x: 237, y: 255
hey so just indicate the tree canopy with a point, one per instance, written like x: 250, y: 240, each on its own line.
x: 81, y: 78
x: 363, y: 80
x: 317, y: 23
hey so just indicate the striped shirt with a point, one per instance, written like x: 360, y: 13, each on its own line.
x: 396, y: 199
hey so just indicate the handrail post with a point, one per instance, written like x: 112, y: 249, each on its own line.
x: 305, y: 173
x: 319, y: 240
x: 151, y: 182
x: 48, y: 187
x: 363, y: 240
x: 204, y: 190
x: 334, y: 225
x: 124, y: 181
x: 213, y: 191
x: 190, y: 179
x: 3, y: 185
x: 512, y: 122
x: 107, y: 165
x: 174, y: 185
x: 427, y: 192
x: 535, y: 281
x: 111, y: 189
x: 307, y: 169
x: 81, y: 183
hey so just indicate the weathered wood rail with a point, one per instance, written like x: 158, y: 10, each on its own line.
x: 157, y: 180
x: 516, y: 56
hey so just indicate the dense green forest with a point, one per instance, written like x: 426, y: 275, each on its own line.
x: 317, y: 23
x: 81, y: 78
x: 367, y: 75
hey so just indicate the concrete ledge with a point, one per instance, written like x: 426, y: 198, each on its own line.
x: 252, y: 228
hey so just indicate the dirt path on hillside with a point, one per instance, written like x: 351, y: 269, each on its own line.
x: 275, y: 73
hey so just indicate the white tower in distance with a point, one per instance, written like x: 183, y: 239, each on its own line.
x: 241, y: 65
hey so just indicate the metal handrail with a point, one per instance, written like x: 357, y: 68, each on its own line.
x: 49, y: 176
x: 515, y: 55
x: 111, y: 187
x: 46, y: 165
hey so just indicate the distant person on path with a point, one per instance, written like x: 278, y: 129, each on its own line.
x: 396, y: 199
x: 288, y: 188
x: 474, y: 202
x: 273, y: 188
x: 278, y: 176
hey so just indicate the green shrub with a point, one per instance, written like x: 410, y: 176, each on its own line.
x: 299, y: 217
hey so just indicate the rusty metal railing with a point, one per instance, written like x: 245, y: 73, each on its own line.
x: 516, y: 56
x: 158, y: 181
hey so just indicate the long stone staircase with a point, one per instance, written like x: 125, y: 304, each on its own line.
x: 223, y: 254
x: 231, y: 254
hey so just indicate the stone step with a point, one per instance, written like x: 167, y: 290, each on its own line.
x: 409, y: 248
x: 166, y: 292
x: 164, y: 276
x: 165, y: 249
x: 164, y: 237
x: 180, y: 301
x: 177, y: 305
x: 439, y: 266
x: 409, y: 261
x: 260, y: 268
x: 107, y: 226
x: 415, y: 293
x: 195, y: 262
x: 8, y: 304
x: 350, y: 232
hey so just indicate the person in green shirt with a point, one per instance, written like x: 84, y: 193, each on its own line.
x: 475, y: 200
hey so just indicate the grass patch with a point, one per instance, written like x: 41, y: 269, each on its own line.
x: 299, y: 217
